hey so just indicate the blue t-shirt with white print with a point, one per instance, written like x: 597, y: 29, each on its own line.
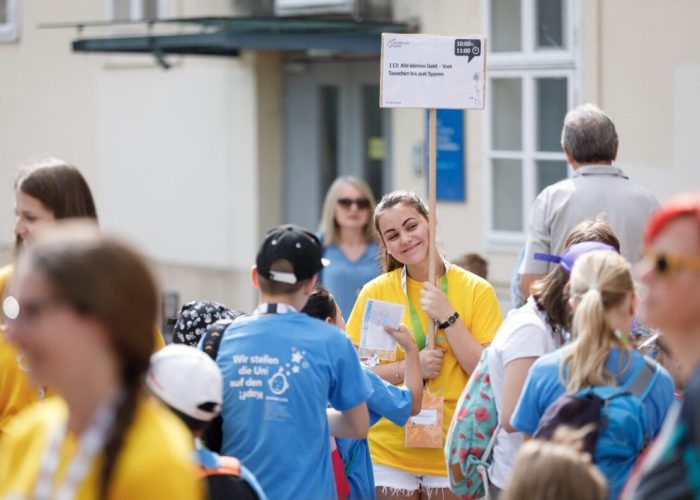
x: 279, y: 373
x: 388, y: 401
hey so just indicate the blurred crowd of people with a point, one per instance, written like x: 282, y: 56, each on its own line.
x: 585, y: 390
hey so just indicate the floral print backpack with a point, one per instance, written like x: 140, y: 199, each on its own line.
x: 471, y: 435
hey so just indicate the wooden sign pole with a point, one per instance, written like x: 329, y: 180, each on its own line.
x: 432, y: 249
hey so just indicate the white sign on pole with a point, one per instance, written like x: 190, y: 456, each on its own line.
x: 432, y: 71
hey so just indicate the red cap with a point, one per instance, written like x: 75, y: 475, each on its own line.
x: 683, y: 204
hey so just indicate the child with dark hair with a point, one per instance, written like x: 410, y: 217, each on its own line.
x: 189, y: 383
x: 387, y: 400
x: 474, y: 263
x: 280, y: 370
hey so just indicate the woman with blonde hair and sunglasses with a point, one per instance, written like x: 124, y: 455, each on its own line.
x: 82, y: 311
x: 349, y: 240
x: 601, y: 355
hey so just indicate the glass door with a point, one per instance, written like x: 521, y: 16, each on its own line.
x: 333, y: 126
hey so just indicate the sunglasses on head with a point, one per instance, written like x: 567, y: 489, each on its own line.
x: 665, y: 264
x: 348, y: 202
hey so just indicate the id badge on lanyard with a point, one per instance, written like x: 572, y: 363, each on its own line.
x: 425, y: 429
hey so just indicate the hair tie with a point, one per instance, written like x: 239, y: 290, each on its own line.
x: 595, y: 287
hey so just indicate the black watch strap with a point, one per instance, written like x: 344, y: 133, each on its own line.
x: 450, y: 321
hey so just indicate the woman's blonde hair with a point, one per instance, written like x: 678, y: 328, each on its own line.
x: 408, y: 198
x: 600, y: 280
x: 329, y: 229
x: 555, y: 470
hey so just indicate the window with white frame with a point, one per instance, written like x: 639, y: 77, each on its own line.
x: 9, y: 25
x: 532, y: 82
x: 135, y: 10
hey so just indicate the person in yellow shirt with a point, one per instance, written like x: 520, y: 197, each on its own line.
x: 16, y: 391
x: 468, y: 314
x: 82, y: 312
x: 47, y: 191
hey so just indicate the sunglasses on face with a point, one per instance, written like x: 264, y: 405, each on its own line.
x: 361, y: 203
x: 666, y: 264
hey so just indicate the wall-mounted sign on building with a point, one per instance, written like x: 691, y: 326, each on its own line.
x: 450, y: 154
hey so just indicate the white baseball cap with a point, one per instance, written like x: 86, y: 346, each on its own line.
x: 188, y: 380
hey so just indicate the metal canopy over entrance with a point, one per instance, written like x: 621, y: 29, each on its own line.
x: 227, y: 36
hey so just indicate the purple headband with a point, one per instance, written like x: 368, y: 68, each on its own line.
x: 567, y: 260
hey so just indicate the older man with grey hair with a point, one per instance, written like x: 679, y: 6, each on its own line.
x: 596, y: 189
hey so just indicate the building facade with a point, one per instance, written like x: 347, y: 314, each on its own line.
x: 193, y: 163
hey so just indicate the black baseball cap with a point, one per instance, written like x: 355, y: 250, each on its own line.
x: 295, y: 244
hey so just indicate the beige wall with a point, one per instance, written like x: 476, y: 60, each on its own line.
x: 47, y: 98
x: 171, y: 156
x: 648, y: 77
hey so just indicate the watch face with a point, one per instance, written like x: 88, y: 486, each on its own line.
x: 451, y: 320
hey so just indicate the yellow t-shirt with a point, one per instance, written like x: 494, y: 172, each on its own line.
x: 16, y: 390
x: 475, y: 301
x: 156, y: 460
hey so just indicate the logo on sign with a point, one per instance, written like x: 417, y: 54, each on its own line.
x: 394, y: 43
x: 470, y: 48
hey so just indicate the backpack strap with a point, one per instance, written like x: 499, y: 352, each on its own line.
x: 227, y: 466
x: 641, y: 385
x: 212, y: 339
x: 638, y: 384
x: 492, y: 443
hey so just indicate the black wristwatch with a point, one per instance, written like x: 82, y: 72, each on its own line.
x: 450, y: 321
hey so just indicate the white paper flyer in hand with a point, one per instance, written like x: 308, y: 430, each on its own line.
x: 374, y: 341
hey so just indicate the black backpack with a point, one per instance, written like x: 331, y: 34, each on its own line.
x: 213, y: 436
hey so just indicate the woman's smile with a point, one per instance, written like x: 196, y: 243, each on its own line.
x: 411, y: 247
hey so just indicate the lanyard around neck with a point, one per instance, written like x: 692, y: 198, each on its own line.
x: 90, y: 444
x: 270, y: 308
x: 417, y: 325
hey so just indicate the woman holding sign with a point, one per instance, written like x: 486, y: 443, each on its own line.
x: 409, y: 462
